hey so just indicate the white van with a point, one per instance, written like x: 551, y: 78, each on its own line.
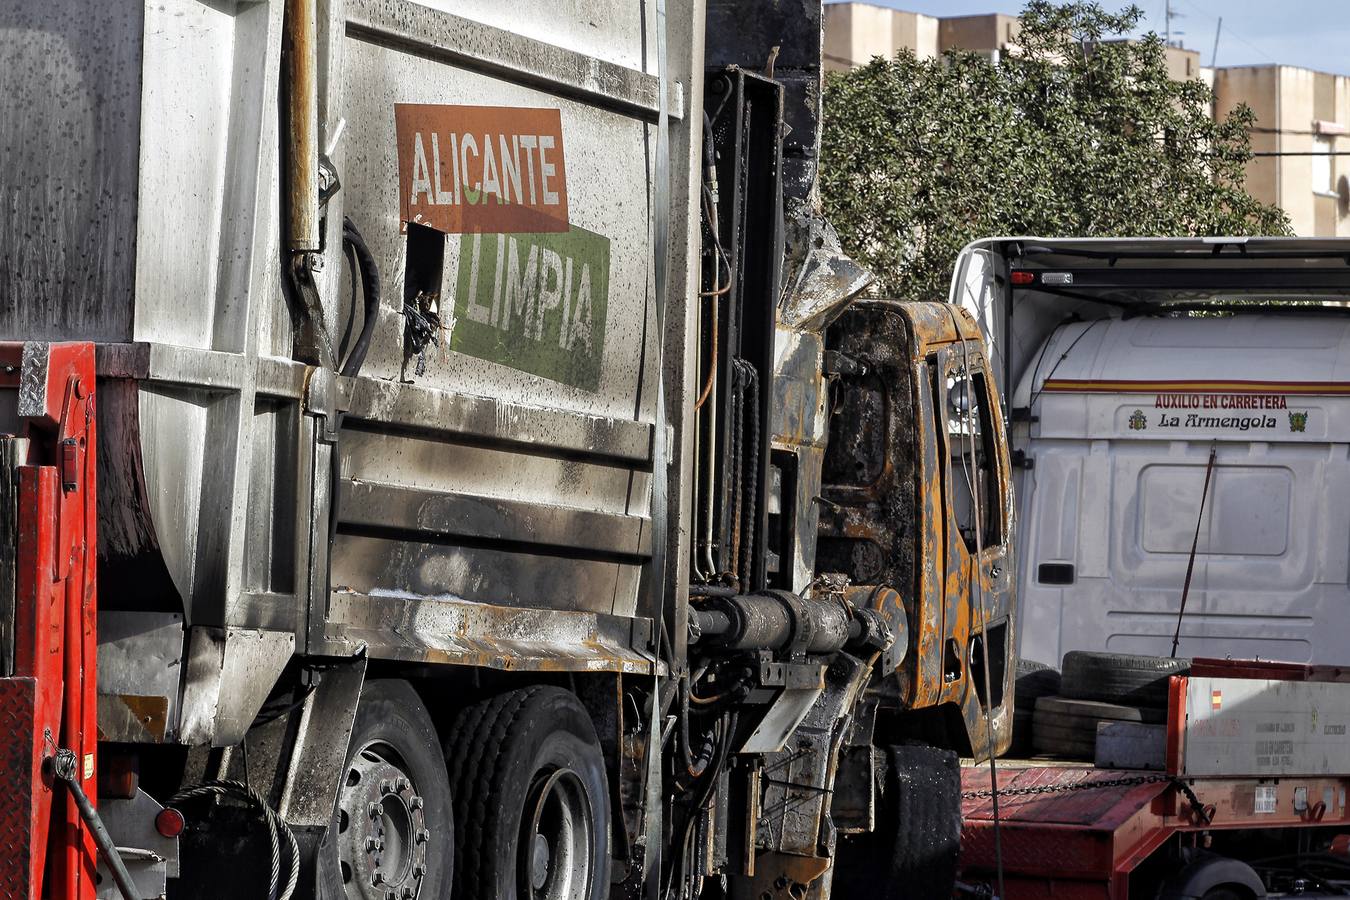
x: 1132, y: 361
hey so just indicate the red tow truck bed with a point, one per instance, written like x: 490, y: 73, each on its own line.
x: 1250, y: 745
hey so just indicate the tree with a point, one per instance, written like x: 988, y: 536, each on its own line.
x: 1079, y: 133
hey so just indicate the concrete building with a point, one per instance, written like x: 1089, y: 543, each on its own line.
x: 856, y: 32
x: 1301, y: 114
x: 985, y: 34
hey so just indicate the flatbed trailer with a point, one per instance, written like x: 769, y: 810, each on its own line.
x: 1249, y: 804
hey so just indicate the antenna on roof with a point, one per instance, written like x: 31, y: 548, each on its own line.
x: 1168, y: 15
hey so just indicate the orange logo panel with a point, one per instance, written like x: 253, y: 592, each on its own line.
x: 481, y: 169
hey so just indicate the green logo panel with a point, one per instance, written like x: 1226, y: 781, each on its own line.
x: 535, y: 302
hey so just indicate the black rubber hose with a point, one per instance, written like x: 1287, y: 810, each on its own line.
x: 65, y: 766
x: 351, y: 311
x: 694, y: 764
x: 355, y: 246
x: 370, y: 289
x: 709, y: 153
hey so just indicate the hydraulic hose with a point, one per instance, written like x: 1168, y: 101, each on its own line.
x: 370, y: 292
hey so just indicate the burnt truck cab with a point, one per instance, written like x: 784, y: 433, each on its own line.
x: 916, y: 504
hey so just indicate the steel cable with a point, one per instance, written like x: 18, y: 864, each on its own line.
x: 276, y: 829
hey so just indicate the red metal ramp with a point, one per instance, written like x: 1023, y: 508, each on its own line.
x: 1250, y: 745
x: 1060, y: 838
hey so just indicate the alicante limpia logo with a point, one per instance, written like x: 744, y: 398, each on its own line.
x: 1298, y: 420
x: 1137, y: 421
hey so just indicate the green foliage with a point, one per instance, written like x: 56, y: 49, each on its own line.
x: 1079, y: 134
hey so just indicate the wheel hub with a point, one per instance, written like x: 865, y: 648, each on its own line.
x: 557, y: 848
x: 382, y: 836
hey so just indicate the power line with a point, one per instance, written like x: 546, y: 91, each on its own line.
x: 1231, y: 33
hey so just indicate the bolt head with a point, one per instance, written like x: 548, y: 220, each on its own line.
x: 372, y: 844
x: 423, y: 835
x: 386, y: 787
x: 377, y: 878
x: 402, y: 784
x: 416, y: 802
x: 419, y: 870
x: 373, y: 809
x: 407, y: 893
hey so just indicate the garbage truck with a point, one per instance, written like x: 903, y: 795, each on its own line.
x: 444, y: 455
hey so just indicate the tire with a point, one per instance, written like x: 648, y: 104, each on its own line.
x: 1057, y: 734
x: 394, y: 761
x: 1033, y: 680
x: 1120, y: 677
x: 529, y: 761
x: 913, y: 851
x: 1099, y: 711
x: 1068, y: 728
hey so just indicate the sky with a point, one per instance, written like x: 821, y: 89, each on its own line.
x: 1314, y: 34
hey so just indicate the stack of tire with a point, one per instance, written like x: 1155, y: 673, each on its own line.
x: 1093, y: 688
x: 1034, y: 680
x: 1101, y: 687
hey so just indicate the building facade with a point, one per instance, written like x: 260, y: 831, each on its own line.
x: 1302, y: 115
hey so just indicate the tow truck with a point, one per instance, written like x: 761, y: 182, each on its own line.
x: 1175, y: 436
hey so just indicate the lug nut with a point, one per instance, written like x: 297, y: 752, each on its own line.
x: 402, y: 784
x: 407, y: 893
x: 373, y: 809
x: 416, y: 802
x: 423, y: 835
x: 377, y: 878
x: 372, y: 844
x: 419, y: 870
x: 386, y: 787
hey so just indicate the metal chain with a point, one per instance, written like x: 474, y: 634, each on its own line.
x: 1132, y: 781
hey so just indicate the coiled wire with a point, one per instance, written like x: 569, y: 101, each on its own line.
x: 277, y: 829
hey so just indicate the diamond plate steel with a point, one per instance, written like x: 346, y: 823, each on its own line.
x: 18, y: 790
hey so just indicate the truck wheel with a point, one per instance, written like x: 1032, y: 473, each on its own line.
x: 913, y: 851
x: 393, y: 828
x: 531, y: 799
x: 1120, y: 677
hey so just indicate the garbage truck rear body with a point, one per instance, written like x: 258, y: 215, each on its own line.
x: 473, y: 506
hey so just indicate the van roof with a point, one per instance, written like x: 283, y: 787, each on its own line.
x: 1177, y: 273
